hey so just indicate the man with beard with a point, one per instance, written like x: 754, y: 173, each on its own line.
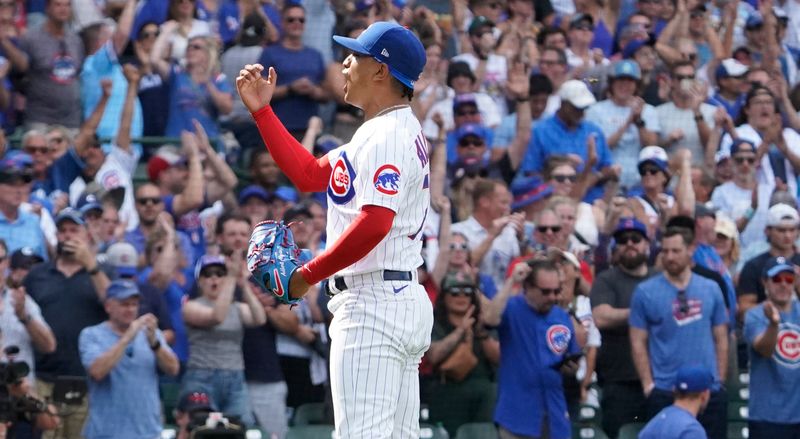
x: 611, y: 295
x: 676, y: 319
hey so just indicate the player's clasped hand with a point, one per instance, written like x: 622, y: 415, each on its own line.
x: 256, y: 91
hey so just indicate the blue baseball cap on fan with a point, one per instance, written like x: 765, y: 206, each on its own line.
x: 393, y: 45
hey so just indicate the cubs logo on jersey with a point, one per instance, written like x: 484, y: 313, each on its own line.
x: 387, y: 180
x: 341, y: 188
x: 558, y: 337
x: 787, y: 350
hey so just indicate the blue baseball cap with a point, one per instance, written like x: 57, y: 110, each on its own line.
x: 472, y: 129
x: 737, y: 146
x: 626, y: 69
x: 88, y: 202
x: 777, y: 265
x: 253, y: 190
x: 393, y: 45
x: 630, y: 49
x: 286, y: 193
x: 627, y: 224
x: 755, y: 20
x: 207, y: 261
x: 121, y: 289
x: 693, y: 379
x: 528, y: 190
x: 70, y: 214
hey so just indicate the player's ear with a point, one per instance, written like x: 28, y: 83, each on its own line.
x: 383, y: 72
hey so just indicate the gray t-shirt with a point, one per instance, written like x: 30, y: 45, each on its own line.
x: 220, y: 346
x: 53, y: 90
x: 614, y: 287
x: 671, y: 118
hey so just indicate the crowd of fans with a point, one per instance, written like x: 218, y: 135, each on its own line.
x: 614, y: 182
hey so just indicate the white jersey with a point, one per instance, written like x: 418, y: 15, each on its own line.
x: 385, y: 164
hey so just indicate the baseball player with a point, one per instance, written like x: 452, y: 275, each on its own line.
x: 378, y: 198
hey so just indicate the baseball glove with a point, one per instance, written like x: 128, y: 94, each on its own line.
x: 273, y: 256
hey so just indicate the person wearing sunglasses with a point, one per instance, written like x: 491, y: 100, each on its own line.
x: 123, y: 357
x: 537, y: 339
x: 467, y: 392
x: 781, y: 232
x: 678, y: 318
x: 773, y: 373
x: 561, y: 175
x: 654, y: 202
x: 743, y: 199
x: 215, y: 324
x: 19, y: 228
x: 727, y: 244
x: 548, y: 231
x: 626, y: 120
x: 622, y: 399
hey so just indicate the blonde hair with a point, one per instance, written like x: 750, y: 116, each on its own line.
x: 212, y: 49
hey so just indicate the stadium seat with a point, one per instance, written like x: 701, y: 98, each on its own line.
x: 630, y: 431
x: 310, y: 432
x: 310, y: 414
x: 737, y: 411
x: 170, y: 392
x: 428, y: 431
x: 588, y: 414
x: 738, y: 430
x: 477, y: 430
x: 584, y: 431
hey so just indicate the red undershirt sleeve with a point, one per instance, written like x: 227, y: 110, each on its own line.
x: 306, y: 172
x: 368, y: 229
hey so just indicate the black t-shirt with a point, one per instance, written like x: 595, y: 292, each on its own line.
x: 68, y: 304
x: 614, y: 287
x: 716, y: 277
x: 260, y: 355
x: 750, y: 278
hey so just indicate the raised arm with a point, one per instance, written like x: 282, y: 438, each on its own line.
x: 159, y: 57
x: 204, y: 316
x: 192, y: 197
x: 306, y: 172
x: 492, y: 314
x: 88, y: 131
x: 122, y: 33
x: 224, y: 180
x: 133, y: 76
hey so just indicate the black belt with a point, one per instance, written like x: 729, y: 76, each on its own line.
x: 341, y: 285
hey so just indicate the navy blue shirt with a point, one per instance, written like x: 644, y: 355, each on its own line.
x: 529, y: 386
x: 294, y: 110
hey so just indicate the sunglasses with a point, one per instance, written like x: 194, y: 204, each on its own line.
x: 34, y: 150
x: 458, y: 246
x: 214, y: 272
x: 648, y: 171
x: 16, y: 178
x: 626, y: 238
x: 563, y: 178
x: 467, y: 113
x: 583, y: 27
x: 494, y: 5
x: 786, y: 278
x: 683, y: 302
x: 740, y: 160
x: 197, y: 47
x: 460, y: 291
x: 682, y: 77
x: 145, y: 35
x: 148, y: 200
x: 468, y: 143
x: 62, y: 139
x: 549, y: 291
x: 723, y: 236
x: 544, y: 229
x: 300, y: 20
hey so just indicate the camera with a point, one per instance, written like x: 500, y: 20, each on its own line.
x: 215, y: 425
x: 13, y: 408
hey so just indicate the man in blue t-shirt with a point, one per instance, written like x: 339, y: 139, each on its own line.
x: 299, y: 89
x: 122, y: 357
x: 568, y: 133
x: 678, y: 318
x: 772, y: 330
x: 537, y: 345
x: 692, y: 393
